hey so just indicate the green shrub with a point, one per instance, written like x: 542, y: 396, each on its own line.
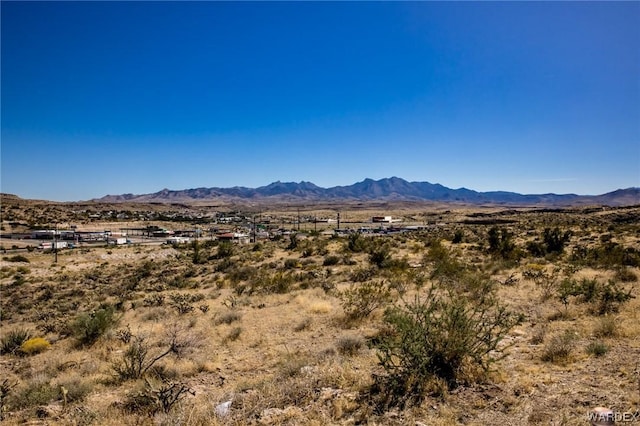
x: 360, y: 300
x: 597, y: 348
x: 10, y: 344
x: 88, y: 327
x: 356, y: 243
x: 35, y: 393
x: 501, y: 243
x: 445, y: 266
x: 611, y: 297
x: 441, y: 337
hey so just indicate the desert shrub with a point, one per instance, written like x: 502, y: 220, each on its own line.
x: 380, y: 256
x: 356, y: 243
x: 74, y: 389
x: 587, y: 289
x: 445, y: 266
x: 625, y: 275
x: 243, y: 273
x: 559, y: 348
x: 331, y: 260
x: 224, y: 265
x: 11, y: 343
x: 349, y: 345
x: 137, y: 359
x: 6, y: 387
x: 233, y: 335
x: 181, y: 303
x: 303, y: 325
x: 278, y: 282
x: 611, y: 297
x: 545, y: 280
x: 35, y: 393
x: 438, y: 337
x: 156, y: 396
x: 363, y: 274
x: 606, y: 326
x: 360, y: 300
x: 597, y: 348
x: 225, y: 250
x: 501, y: 243
x: 538, y: 335
x: 153, y: 300
x: 34, y: 346
x: 228, y: 317
x: 554, y: 239
x: 124, y: 335
x: 16, y: 258
x: 88, y: 327
x: 606, y: 255
x: 457, y: 237
x: 291, y: 264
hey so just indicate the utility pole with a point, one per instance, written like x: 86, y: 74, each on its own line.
x: 55, y: 245
x: 254, y: 228
x: 338, y: 221
x: 298, y: 218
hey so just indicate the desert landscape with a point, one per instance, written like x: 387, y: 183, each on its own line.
x: 320, y: 213
x: 448, y: 314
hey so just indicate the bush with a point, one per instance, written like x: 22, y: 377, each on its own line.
x: 611, y: 297
x: 34, y: 346
x: 445, y: 266
x: 606, y: 327
x: 625, y: 275
x: 356, y: 243
x: 228, y: 318
x: 360, y: 300
x: 88, y: 327
x: 441, y: 337
x: 17, y: 258
x: 597, y: 348
x: 349, y: 345
x: 12, y: 342
x: 35, y: 393
x: 501, y: 243
x: 331, y: 260
x: 559, y: 347
x: 137, y: 359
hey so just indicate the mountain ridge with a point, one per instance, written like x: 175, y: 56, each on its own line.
x: 386, y: 189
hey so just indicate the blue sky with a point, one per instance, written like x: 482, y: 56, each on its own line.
x: 108, y: 98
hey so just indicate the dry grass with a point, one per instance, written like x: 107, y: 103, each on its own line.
x: 289, y: 358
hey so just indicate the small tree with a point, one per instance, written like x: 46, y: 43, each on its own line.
x: 501, y: 243
x: 554, y: 239
x: 439, y: 337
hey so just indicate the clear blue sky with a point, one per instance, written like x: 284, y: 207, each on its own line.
x: 108, y: 98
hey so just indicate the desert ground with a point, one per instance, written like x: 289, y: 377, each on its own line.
x: 455, y: 314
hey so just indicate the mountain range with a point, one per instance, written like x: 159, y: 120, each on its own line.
x: 387, y: 189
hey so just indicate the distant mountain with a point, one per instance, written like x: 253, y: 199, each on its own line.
x: 388, y: 189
